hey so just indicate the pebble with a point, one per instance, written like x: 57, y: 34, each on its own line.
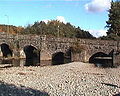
x: 73, y: 79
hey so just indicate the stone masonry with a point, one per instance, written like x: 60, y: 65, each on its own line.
x: 48, y: 46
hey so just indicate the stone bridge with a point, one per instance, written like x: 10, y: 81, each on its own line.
x: 45, y: 50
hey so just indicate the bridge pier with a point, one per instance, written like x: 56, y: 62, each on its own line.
x: 116, y: 58
x: 45, y: 58
x: 16, y: 53
x: 16, y: 58
x: 79, y: 57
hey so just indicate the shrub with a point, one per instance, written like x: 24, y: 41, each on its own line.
x: 77, y: 48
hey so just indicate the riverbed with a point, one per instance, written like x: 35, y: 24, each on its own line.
x: 72, y: 79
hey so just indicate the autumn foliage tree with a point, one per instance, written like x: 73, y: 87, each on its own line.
x: 11, y: 29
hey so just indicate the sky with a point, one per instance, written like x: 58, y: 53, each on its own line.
x: 89, y: 15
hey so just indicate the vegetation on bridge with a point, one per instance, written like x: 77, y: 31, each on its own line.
x: 77, y: 48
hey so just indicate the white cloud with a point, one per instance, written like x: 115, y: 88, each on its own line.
x: 58, y: 18
x: 46, y: 21
x: 61, y: 19
x: 98, y: 33
x: 98, y: 5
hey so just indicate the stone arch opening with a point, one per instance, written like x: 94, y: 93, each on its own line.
x: 32, y: 56
x: 7, y: 52
x: 58, y: 58
x: 101, y: 59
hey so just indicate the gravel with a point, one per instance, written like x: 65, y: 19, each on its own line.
x: 73, y: 79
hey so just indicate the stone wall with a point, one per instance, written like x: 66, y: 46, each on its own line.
x: 50, y: 45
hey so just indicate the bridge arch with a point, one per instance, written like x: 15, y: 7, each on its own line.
x: 61, y: 57
x: 6, y: 50
x: 32, y: 55
x: 101, y: 59
x: 58, y: 58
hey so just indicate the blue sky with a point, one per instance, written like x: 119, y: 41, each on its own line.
x: 89, y: 15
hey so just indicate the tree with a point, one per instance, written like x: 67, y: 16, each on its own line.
x: 113, y: 23
x: 56, y: 28
x: 12, y: 29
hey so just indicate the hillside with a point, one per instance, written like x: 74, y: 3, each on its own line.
x: 51, y: 28
x: 10, y: 29
x: 56, y: 28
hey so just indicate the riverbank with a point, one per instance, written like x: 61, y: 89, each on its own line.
x: 73, y: 79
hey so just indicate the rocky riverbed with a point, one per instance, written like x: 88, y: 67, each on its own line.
x: 73, y: 79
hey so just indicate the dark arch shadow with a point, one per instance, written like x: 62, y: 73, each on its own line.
x: 32, y: 56
x: 58, y: 58
x: 117, y: 94
x: 112, y: 85
x: 12, y: 90
x: 6, y: 50
x: 101, y: 59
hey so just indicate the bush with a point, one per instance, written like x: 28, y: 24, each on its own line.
x: 77, y: 48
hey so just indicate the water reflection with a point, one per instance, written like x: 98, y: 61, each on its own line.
x: 32, y: 56
x: 103, y: 62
